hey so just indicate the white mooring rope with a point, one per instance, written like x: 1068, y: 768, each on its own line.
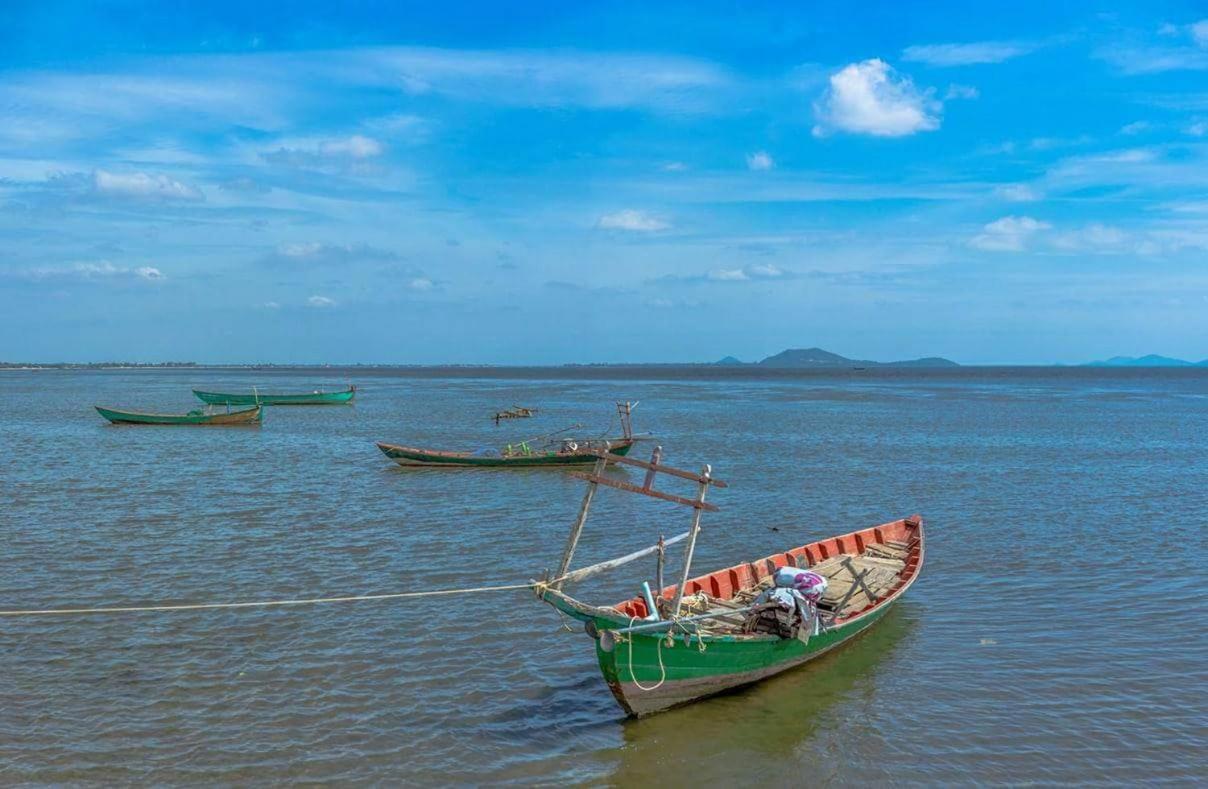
x: 264, y: 603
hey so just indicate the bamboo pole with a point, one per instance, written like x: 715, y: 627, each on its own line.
x: 573, y: 541
x: 692, y: 534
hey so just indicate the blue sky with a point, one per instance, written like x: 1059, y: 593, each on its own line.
x: 384, y: 182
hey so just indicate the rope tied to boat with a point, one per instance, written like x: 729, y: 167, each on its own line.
x: 270, y: 603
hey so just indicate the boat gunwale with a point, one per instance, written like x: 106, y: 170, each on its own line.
x: 103, y: 410
x: 911, y: 571
x: 464, y: 455
x: 351, y: 391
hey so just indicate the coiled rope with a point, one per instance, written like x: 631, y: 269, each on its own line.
x: 129, y: 609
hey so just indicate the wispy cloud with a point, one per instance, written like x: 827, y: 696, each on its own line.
x: 760, y: 160
x: 143, y: 186
x: 660, y: 83
x: 872, y: 98
x: 332, y: 153
x: 99, y: 271
x: 1018, y: 193
x: 966, y: 54
x: 320, y: 302
x: 1189, y: 52
x: 961, y: 92
x: 1009, y: 234
x: 632, y: 220
x: 298, y: 254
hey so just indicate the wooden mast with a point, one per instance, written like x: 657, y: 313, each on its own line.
x: 596, y: 478
x: 577, y: 529
x: 703, y: 488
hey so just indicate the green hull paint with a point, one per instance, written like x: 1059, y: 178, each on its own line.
x: 633, y: 673
x: 250, y: 416
x: 631, y: 663
x: 308, y: 398
x: 409, y: 456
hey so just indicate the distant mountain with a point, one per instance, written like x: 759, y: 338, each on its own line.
x: 1152, y: 360
x: 797, y: 358
x: 729, y: 361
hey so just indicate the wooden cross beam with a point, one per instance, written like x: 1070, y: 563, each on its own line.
x: 657, y: 494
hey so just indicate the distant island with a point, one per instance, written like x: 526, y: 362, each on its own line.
x: 800, y: 358
x: 1152, y: 360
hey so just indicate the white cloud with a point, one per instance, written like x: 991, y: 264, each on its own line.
x: 632, y: 220
x: 765, y: 271
x: 99, y: 271
x: 760, y: 160
x: 303, y: 250
x: 143, y: 186
x: 871, y: 98
x: 326, y: 153
x: 320, y: 301
x: 674, y: 167
x: 961, y: 92
x: 966, y: 54
x: 1017, y: 193
x: 1104, y: 240
x: 1199, y: 32
x: 1009, y: 234
x: 1198, y: 129
x: 1136, y: 127
x: 745, y: 274
x: 357, y: 146
x: 551, y: 78
x: 420, y: 283
x: 271, y: 305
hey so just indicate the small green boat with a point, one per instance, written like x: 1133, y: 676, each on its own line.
x: 521, y: 455
x: 255, y: 398
x: 247, y: 416
x: 541, y: 451
x: 676, y: 644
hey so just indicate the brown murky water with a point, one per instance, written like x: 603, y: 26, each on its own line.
x: 1055, y: 636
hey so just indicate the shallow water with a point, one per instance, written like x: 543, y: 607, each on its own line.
x: 1055, y: 634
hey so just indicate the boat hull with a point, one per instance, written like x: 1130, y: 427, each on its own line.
x: 308, y: 398
x: 247, y: 417
x: 412, y: 456
x: 647, y: 676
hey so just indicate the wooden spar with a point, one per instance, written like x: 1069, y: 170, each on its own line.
x: 577, y: 529
x: 597, y: 479
x: 859, y: 576
x: 626, y: 412
x: 669, y: 623
x: 700, y: 506
x: 655, y: 457
x: 656, y: 466
x: 595, y: 569
x: 658, y: 569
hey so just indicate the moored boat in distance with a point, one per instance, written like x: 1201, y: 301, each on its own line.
x: 541, y: 451
x: 256, y: 398
x: 709, y: 633
x: 247, y: 416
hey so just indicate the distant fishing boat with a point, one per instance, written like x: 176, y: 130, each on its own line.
x: 247, y: 416
x: 544, y: 450
x: 711, y: 633
x: 255, y: 398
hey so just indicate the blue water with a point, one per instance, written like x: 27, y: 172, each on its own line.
x: 1055, y: 636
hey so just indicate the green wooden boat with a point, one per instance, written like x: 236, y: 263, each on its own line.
x: 698, y: 638
x: 521, y: 455
x: 255, y: 398
x: 247, y: 416
x: 525, y: 454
